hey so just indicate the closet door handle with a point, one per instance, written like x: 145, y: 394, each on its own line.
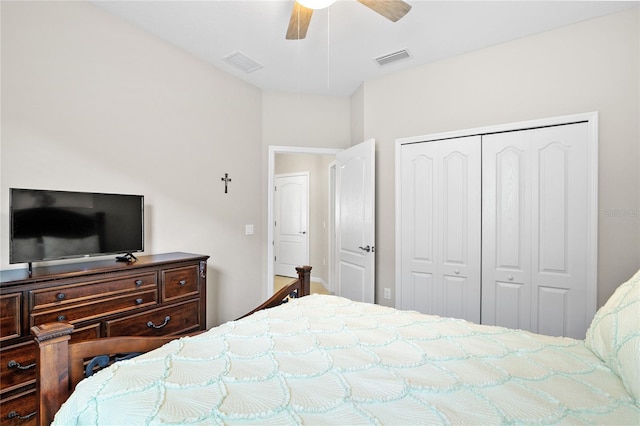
x: 367, y: 248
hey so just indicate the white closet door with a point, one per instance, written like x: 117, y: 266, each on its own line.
x: 506, y: 230
x: 418, y: 239
x: 440, y: 233
x: 534, y: 234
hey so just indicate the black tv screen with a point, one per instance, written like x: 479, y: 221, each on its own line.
x: 50, y: 225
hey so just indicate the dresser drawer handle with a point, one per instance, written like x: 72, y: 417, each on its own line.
x: 139, y: 282
x: 16, y: 364
x: 62, y: 317
x: 14, y: 415
x: 60, y: 296
x: 139, y: 301
x: 183, y: 282
x: 166, y: 321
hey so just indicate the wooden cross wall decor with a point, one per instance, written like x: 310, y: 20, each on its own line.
x: 226, y: 179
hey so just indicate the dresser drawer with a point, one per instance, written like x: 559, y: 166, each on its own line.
x: 89, y: 332
x: 17, y: 366
x: 19, y: 410
x: 10, y: 320
x: 180, y: 282
x: 178, y: 318
x: 57, y: 296
x: 98, y: 308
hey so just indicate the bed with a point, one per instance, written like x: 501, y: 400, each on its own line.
x: 324, y: 359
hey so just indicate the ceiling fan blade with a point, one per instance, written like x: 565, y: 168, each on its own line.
x: 390, y: 9
x: 299, y: 22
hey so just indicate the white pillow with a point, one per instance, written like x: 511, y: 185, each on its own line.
x: 614, y: 334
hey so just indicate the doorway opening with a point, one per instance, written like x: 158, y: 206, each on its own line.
x: 322, y: 269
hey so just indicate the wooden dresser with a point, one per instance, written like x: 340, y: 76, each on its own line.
x: 157, y: 295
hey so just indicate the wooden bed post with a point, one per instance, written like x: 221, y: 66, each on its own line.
x: 52, y: 356
x: 304, y: 275
x: 302, y: 286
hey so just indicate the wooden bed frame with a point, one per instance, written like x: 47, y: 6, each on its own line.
x: 61, y: 365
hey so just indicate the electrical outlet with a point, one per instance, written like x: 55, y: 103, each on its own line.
x: 387, y: 293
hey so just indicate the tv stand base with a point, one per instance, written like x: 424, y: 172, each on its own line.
x: 129, y: 258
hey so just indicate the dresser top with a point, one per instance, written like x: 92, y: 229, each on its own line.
x: 12, y: 277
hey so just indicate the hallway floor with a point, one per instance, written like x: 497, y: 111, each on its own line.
x: 279, y: 281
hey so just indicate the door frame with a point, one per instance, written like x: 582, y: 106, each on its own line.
x: 331, y: 228
x: 591, y: 118
x: 273, y: 150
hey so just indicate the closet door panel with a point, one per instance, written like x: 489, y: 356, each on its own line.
x: 459, y: 198
x: 508, y: 296
x: 510, y: 208
x: 422, y: 295
x: 560, y: 229
x: 418, y: 233
x: 422, y: 209
x: 440, y: 234
x: 456, y: 297
x: 552, y: 311
x: 506, y: 251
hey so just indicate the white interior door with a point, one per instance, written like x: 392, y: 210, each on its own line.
x: 291, y: 223
x: 440, y: 227
x: 355, y: 222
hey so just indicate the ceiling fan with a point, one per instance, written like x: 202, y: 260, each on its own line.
x: 303, y: 9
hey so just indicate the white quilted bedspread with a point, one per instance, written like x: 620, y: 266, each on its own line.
x: 328, y: 360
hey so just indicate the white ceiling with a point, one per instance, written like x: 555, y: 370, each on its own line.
x: 343, y: 40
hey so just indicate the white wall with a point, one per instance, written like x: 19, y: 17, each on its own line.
x: 590, y: 66
x: 91, y: 103
x: 357, y: 116
x: 302, y: 120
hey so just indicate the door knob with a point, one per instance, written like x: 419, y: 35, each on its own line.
x: 367, y: 248
x: 303, y: 232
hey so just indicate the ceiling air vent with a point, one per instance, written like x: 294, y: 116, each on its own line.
x: 243, y: 62
x: 393, y: 57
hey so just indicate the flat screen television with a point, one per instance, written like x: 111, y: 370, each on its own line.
x: 51, y: 225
